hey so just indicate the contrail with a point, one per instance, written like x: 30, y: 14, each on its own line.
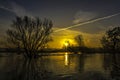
x: 7, y: 9
x: 17, y: 10
x: 95, y: 20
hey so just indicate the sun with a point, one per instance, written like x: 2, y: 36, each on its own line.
x: 66, y: 43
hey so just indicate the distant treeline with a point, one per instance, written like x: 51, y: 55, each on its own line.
x: 91, y: 50
x: 47, y: 50
x: 69, y: 49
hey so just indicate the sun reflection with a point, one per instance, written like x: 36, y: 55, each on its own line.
x: 66, y: 59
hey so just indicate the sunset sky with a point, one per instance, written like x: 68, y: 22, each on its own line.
x: 91, y: 18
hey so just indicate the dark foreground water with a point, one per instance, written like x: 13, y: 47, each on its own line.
x: 58, y: 66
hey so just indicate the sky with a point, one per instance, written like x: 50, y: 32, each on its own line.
x: 91, y: 18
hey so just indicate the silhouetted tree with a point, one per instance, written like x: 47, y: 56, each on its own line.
x: 30, y: 34
x: 111, y: 40
x: 80, y: 44
x: 79, y: 40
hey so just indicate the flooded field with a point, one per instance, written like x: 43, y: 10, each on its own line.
x: 15, y: 67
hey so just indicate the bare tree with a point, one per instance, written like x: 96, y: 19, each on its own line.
x: 79, y: 40
x: 111, y: 40
x: 30, y: 34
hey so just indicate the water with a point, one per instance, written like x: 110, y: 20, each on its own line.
x: 15, y: 67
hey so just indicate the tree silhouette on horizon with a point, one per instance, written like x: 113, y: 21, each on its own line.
x: 111, y: 40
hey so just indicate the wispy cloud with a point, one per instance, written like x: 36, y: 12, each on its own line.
x: 83, y: 16
x: 16, y: 9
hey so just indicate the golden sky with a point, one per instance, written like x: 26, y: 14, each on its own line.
x: 59, y: 38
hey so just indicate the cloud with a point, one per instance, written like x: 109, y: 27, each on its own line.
x: 18, y: 9
x: 15, y: 8
x: 83, y: 16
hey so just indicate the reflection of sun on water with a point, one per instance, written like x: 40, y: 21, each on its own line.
x: 66, y: 59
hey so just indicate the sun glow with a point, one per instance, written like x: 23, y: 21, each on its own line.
x: 67, y: 42
x: 90, y: 40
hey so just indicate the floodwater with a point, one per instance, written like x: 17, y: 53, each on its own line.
x: 47, y: 67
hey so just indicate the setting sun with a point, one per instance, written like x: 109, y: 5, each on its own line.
x: 66, y: 43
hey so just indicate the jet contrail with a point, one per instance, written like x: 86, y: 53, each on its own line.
x: 7, y: 9
x: 17, y: 10
x: 80, y: 24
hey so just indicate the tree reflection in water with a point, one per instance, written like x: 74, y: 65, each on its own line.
x: 81, y: 62
x: 54, y: 66
x: 29, y: 69
x: 112, y: 64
